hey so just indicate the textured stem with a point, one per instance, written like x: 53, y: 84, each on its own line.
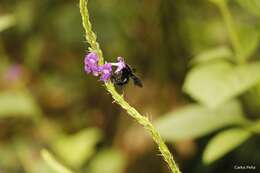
x: 144, y: 121
x: 119, y: 99
x: 90, y: 35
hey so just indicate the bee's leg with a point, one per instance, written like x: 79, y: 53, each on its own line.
x: 119, y: 88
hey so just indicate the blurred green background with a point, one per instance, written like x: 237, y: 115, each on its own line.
x: 200, y: 90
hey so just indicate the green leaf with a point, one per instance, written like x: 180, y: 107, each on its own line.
x: 18, y: 104
x: 53, y: 163
x: 249, y: 40
x: 215, y: 83
x: 25, y: 13
x: 108, y: 161
x: 251, y: 100
x: 217, y: 53
x: 223, y: 143
x: 195, y: 120
x: 76, y: 149
x: 255, y: 127
x: 6, y: 21
x: 8, y: 157
x: 252, y: 6
x: 218, y: 1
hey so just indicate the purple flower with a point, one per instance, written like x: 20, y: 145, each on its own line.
x: 105, y: 71
x: 14, y: 73
x: 91, y: 63
x: 120, y: 64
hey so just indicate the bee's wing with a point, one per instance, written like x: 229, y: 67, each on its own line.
x: 137, y: 81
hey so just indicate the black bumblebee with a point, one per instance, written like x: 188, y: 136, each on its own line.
x: 122, y: 77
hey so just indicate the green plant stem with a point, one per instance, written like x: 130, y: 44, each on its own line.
x: 119, y: 99
x: 229, y: 21
x: 144, y: 121
x: 90, y: 35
